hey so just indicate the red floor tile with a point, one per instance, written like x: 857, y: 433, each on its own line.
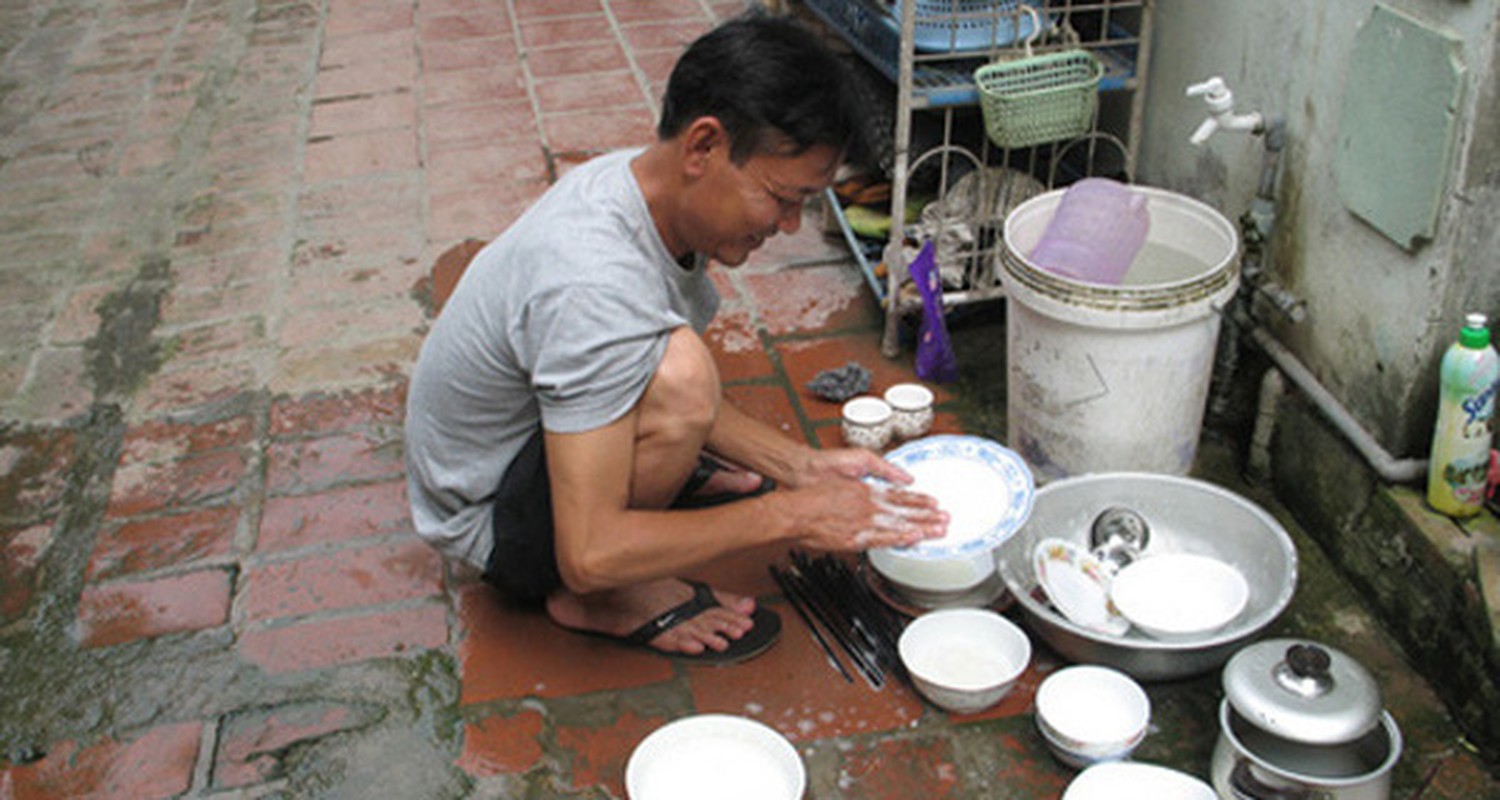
x: 337, y: 515
x: 198, y: 386
x: 21, y: 553
x: 657, y: 65
x: 508, y: 653
x: 367, y: 16
x: 570, y: 31
x: 455, y: 127
x: 536, y: 9
x: 309, y: 465
x: 608, y: 129
x: 344, y: 640
x: 110, y: 614
x: 793, y: 689
x: 478, y: 213
x: 450, y: 54
x: 199, y: 478
x: 803, y: 359
x: 33, y: 472
x: 364, y: 576
x: 813, y: 300
x: 736, y: 346
x: 520, y: 168
x: 159, y: 542
x: 361, y: 155
x: 502, y: 745
x: 744, y: 573
x: 333, y: 412
x: 340, y: 116
x: 555, y: 62
x: 650, y: 10
x: 769, y: 404
x: 595, y: 90
x: 600, y: 752
x: 491, y: 23
x: 477, y: 86
x: 674, y: 35
x: 154, y: 763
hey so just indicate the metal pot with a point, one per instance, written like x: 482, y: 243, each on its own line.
x: 1302, y: 721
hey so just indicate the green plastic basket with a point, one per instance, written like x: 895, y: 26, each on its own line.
x: 1038, y: 99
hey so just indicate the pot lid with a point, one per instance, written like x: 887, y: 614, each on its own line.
x: 1303, y: 691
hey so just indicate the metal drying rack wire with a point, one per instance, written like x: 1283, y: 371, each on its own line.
x: 897, y: 39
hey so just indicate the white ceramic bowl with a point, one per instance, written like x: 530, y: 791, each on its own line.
x: 1179, y: 596
x: 1133, y: 780
x: 1090, y: 714
x: 740, y: 758
x: 932, y: 577
x: 911, y: 404
x: 867, y: 423
x: 964, y: 660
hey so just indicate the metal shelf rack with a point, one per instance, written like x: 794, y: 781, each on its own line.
x: 929, y: 49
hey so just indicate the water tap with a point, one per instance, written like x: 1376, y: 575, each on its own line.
x: 1221, y: 111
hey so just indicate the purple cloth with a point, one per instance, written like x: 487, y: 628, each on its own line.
x: 935, y: 359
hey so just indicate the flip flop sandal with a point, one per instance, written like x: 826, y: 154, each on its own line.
x: 706, y: 469
x: 763, y: 633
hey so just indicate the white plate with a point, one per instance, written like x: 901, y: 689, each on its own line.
x: 985, y: 488
x: 1078, y: 584
x: 718, y: 755
x: 1134, y: 780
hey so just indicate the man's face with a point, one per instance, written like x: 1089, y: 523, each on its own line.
x: 743, y: 205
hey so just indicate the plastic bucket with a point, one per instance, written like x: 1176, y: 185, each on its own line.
x: 1106, y: 378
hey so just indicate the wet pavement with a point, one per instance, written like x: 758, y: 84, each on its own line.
x: 219, y: 222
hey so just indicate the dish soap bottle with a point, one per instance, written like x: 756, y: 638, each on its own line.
x: 1458, y: 468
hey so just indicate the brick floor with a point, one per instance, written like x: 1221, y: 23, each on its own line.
x: 225, y: 228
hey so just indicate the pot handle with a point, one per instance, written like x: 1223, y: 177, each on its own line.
x: 1245, y: 786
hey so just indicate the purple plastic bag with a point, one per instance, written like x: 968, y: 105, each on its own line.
x: 935, y: 359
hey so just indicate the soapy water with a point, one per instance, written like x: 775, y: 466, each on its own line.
x: 962, y: 665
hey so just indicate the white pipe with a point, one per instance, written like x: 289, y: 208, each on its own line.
x: 1390, y: 469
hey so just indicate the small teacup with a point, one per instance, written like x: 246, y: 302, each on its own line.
x: 911, y: 406
x: 867, y: 423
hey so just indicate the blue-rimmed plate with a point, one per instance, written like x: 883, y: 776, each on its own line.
x: 985, y: 488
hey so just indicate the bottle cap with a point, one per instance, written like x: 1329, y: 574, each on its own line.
x: 1476, y: 333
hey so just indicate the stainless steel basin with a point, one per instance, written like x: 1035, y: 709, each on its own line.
x: 1186, y: 515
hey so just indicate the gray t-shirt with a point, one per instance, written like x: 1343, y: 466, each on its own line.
x: 558, y: 323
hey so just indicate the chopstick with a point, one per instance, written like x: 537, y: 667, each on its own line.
x: 826, y: 592
x: 876, y: 625
x: 793, y: 596
x: 843, y: 630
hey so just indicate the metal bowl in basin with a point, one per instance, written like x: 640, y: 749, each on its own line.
x: 1186, y: 515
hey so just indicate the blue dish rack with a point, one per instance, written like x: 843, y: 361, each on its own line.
x: 950, y: 45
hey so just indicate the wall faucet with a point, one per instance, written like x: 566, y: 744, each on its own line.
x: 1221, y: 111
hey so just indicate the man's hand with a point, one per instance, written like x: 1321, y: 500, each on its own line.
x: 851, y: 463
x: 838, y: 510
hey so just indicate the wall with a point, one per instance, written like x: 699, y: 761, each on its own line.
x: 1379, y: 315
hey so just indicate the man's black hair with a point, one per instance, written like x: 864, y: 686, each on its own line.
x: 772, y: 83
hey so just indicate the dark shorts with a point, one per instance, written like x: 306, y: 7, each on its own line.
x: 523, y: 564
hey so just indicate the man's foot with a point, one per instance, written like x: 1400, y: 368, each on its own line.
x: 671, y: 617
x: 714, y: 482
